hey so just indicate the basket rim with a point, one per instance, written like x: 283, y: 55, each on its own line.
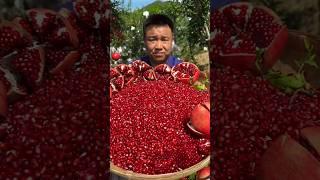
x: 169, y: 176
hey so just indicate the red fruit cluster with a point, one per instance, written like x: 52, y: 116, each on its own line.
x: 123, y: 75
x: 53, y: 75
x: 249, y: 114
x: 148, y: 127
x: 45, y: 43
x: 238, y: 30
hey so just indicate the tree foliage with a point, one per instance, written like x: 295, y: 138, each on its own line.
x: 191, y: 18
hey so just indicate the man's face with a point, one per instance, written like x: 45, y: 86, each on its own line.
x: 158, y: 41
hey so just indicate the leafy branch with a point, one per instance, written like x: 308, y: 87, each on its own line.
x: 295, y: 82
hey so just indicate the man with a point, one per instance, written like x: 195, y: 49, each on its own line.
x: 158, y: 33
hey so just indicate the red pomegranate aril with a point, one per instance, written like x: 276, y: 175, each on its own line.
x: 154, y: 130
x: 12, y: 38
x: 249, y: 115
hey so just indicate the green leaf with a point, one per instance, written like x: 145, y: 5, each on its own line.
x: 288, y: 82
x: 200, y: 87
x: 192, y: 177
x: 307, y: 44
x: 273, y: 74
x: 311, y: 61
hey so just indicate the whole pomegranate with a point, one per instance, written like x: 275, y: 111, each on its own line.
x: 200, y: 118
x: 115, y: 56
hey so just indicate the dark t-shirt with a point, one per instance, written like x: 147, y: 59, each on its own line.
x: 171, y: 61
x: 216, y: 4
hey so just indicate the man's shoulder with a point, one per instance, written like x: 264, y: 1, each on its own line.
x: 173, y: 60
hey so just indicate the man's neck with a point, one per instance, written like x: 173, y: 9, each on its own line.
x: 154, y: 64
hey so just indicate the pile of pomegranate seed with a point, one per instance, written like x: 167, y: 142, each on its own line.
x: 148, y: 127
x: 59, y: 131
x: 248, y: 113
x: 53, y: 77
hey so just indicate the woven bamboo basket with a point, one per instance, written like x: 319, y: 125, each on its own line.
x: 130, y: 175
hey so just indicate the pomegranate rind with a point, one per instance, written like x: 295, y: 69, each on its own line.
x: 67, y: 62
x: 3, y: 100
x: 312, y: 135
x: 42, y: 64
x: 200, y: 118
x: 203, y: 173
x: 16, y: 90
x: 286, y: 159
x: 187, y: 78
x: 71, y: 30
x: 274, y: 51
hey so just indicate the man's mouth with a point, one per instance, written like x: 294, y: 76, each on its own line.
x: 158, y: 54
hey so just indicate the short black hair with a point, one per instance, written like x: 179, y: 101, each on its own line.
x: 159, y: 20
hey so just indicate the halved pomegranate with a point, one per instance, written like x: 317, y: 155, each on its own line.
x: 120, y: 76
x: 114, y: 73
x: 186, y: 72
x: 163, y: 71
x: 91, y: 13
x: 42, y: 20
x: 127, y: 72
x: 140, y: 66
x: 29, y: 64
x: 240, y: 30
x: 117, y: 83
x: 200, y: 119
x: 149, y: 75
x: 63, y: 34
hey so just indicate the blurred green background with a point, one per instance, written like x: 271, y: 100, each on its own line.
x: 191, y: 18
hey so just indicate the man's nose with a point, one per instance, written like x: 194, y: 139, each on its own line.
x: 158, y: 45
